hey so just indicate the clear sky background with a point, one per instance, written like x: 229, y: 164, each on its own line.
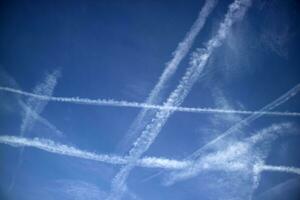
x: 117, y: 50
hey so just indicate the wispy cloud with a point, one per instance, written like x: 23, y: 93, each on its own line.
x: 165, y: 107
x: 198, y: 62
x: 57, y: 148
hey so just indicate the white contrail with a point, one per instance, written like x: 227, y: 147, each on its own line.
x: 33, y: 108
x: 57, y: 148
x: 282, y: 99
x: 198, y: 61
x: 235, y: 156
x: 46, y: 88
x: 116, y: 103
x: 5, y: 77
x: 293, y: 170
x: 171, y: 67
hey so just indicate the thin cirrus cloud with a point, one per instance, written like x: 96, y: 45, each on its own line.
x: 199, y: 59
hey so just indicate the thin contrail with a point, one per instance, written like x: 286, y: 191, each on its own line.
x: 61, y: 149
x: 116, y: 103
x: 282, y: 99
x: 4, y: 76
x: 198, y: 62
x: 46, y: 88
x: 171, y: 67
x: 32, y: 109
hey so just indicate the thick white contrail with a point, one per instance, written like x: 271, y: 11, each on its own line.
x: 116, y: 103
x: 171, y: 67
x: 198, y: 61
x: 223, y: 163
x: 235, y: 156
x: 293, y: 170
x: 57, y: 148
x: 33, y: 107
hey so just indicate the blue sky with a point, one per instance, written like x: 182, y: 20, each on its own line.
x: 118, y: 50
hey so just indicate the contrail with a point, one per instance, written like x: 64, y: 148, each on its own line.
x: 293, y: 170
x: 282, y: 99
x: 46, y: 88
x: 116, y: 103
x: 32, y: 108
x: 198, y: 61
x: 57, y: 148
x: 171, y: 67
x: 236, y: 156
x: 10, y: 81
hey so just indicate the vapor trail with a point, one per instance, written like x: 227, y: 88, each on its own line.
x: 282, y: 99
x: 57, y: 148
x: 116, y: 103
x: 198, y: 61
x: 237, y: 156
x: 293, y: 170
x: 32, y: 109
x: 171, y: 67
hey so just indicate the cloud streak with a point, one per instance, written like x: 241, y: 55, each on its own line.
x: 197, y: 64
x: 165, y: 107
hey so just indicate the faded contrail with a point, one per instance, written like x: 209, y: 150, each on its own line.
x: 171, y: 67
x: 110, y: 102
x: 53, y: 147
x: 32, y: 109
x: 46, y: 88
x: 198, y: 61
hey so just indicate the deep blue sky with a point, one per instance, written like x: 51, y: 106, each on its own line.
x: 118, y: 49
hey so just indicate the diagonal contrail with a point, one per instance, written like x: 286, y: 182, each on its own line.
x: 237, y: 127
x: 222, y: 160
x: 236, y: 12
x: 32, y: 108
x: 61, y: 149
x: 245, y: 122
x: 171, y: 67
x: 116, y: 103
x: 10, y: 81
